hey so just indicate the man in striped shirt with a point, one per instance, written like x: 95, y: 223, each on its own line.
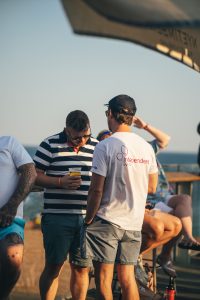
x: 65, y: 201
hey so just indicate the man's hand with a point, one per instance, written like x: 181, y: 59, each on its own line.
x: 138, y: 122
x: 70, y: 182
x: 7, y: 215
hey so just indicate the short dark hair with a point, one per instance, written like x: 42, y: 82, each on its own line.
x: 123, y: 119
x: 198, y: 128
x: 78, y: 120
x: 123, y: 108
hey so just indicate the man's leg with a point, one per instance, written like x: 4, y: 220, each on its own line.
x: 165, y: 254
x: 152, y: 232
x: 58, y: 234
x: 11, y: 254
x: 172, y: 227
x: 182, y: 208
x: 103, y: 279
x: 164, y: 259
x: 79, y: 282
x: 49, y: 281
x: 158, y: 228
x: 127, y: 282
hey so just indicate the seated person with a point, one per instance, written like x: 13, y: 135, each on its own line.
x: 158, y: 229
x: 103, y: 134
x: 177, y: 205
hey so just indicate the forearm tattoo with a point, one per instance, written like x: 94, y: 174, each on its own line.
x: 27, y: 178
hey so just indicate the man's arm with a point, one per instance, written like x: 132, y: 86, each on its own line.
x: 27, y: 178
x: 153, y: 181
x: 94, y: 196
x: 161, y: 137
x: 65, y: 182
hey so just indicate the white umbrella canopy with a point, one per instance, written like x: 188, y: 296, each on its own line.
x: 149, y: 12
x: 169, y: 27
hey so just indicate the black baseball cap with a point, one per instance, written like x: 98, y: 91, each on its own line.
x: 122, y: 104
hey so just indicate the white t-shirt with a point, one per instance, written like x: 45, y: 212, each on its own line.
x: 12, y: 156
x: 126, y: 160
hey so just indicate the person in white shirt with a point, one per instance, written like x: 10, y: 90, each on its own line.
x: 124, y: 170
x: 17, y: 173
x: 158, y: 227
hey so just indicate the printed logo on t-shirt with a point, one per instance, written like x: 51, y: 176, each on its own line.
x: 128, y: 160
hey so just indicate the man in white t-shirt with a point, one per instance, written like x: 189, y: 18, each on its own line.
x: 124, y: 170
x: 17, y: 173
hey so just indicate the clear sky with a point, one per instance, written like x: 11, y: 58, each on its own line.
x: 46, y: 71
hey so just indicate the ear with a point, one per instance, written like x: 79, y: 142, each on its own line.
x: 111, y: 114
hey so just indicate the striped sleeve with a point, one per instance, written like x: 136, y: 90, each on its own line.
x: 43, y: 156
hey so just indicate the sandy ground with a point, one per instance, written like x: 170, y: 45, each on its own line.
x: 33, y: 263
x: 27, y: 287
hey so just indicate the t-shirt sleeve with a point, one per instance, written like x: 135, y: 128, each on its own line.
x: 19, y: 155
x: 43, y: 156
x: 99, y: 164
x: 153, y: 166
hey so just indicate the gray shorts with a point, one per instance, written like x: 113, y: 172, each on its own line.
x: 106, y: 243
x: 61, y: 236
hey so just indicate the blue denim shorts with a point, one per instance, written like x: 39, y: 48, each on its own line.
x: 17, y: 227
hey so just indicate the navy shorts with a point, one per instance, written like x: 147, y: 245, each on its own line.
x: 61, y: 237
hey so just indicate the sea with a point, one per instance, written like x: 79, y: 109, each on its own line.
x: 164, y: 157
x: 170, y: 160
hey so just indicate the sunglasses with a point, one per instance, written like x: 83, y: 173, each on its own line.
x: 78, y: 138
x: 107, y: 113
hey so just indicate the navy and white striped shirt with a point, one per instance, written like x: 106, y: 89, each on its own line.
x: 54, y: 156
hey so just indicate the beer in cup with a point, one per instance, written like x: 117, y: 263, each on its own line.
x: 74, y: 171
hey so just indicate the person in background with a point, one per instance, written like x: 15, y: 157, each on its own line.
x: 103, y: 134
x: 198, y: 155
x: 65, y: 200
x: 164, y: 199
x: 123, y: 171
x: 17, y: 173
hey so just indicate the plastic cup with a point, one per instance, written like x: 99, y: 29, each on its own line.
x: 74, y: 171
